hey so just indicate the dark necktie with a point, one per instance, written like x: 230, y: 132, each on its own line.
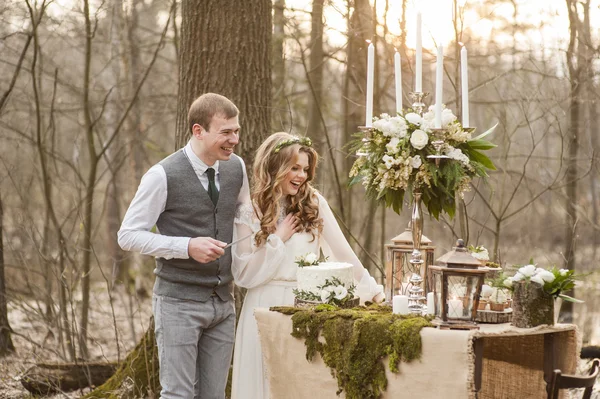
x: 213, y: 192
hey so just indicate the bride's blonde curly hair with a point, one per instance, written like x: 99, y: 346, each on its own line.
x: 273, y: 161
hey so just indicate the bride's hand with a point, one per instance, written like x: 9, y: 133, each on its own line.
x: 287, y: 228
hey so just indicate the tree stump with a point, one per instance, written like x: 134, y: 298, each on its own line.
x: 137, y: 376
x: 532, y: 306
x: 51, y: 378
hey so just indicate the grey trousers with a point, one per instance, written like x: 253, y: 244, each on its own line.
x: 195, y: 343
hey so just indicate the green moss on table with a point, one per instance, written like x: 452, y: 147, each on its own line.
x: 356, y: 341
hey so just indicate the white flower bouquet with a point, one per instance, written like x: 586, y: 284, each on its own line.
x: 480, y: 253
x: 554, y: 281
x: 396, y: 160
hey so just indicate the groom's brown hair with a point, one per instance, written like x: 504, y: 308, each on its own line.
x: 208, y: 105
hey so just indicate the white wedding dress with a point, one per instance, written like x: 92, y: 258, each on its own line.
x: 269, y: 274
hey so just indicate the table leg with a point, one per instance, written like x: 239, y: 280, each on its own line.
x: 549, y: 358
x: 478, y: 349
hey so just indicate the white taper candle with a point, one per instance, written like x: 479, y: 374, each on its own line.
x: 464, y: 80
x: 419, y: 58
x: 398, y: 75
x: 439, y: 86
x: 370, y: 77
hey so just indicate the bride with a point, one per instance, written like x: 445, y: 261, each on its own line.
x: 287, y: 218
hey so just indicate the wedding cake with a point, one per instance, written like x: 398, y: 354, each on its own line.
x: 311, y: 277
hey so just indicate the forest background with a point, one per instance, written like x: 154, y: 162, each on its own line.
x: 92, y: 93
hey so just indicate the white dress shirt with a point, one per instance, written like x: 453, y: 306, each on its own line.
x: 138, y: 233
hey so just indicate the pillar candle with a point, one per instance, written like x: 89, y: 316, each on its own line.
x: 370, y: 75
x: 419, y: 58
x: 439, y: 86
x: 464, y: 80
x: 398, y: 75
x: 430, y: 303
x: 455, y: 308
x: 400, y: 304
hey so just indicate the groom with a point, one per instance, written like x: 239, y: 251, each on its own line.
x: 191, y: 197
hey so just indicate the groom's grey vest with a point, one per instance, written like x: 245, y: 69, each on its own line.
x: 189, y: 212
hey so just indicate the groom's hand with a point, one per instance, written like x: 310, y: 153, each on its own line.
x: 205, y: 249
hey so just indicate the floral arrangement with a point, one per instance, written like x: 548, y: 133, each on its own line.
x: 332, y: 292
x: 310, y: 259
x: 480, y: 253
x: 555, y: 281
x: 396, y: 160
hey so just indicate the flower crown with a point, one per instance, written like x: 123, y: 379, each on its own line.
x: 305, y: 141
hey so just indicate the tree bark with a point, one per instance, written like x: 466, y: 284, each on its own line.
x: 6, y: 344
x: 48, y: 379
x: 226, y: 49
x: 359, y: 30
x: 315, y: 127
x: 532, y: 306
x: 280, y: 120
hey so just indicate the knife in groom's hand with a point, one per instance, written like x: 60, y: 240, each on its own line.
x: 238, y: 240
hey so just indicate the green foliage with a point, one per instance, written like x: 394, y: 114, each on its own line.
x: 356, y: 342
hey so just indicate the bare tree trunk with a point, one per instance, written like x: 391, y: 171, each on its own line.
x: 360, y: 29
x: 119, y: 273
x: 6, y: 344
x: 232, y: 58
x: 574, y: 63
x: 280, y: 117
x: 315, y: 77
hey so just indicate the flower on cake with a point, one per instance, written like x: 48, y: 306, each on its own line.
x: 310, y: 259
x: 395, y: 159
x: 333, y: 292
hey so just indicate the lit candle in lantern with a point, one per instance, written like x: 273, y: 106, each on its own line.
x: 439, y: 86
x: 398, y: 75
x: 464, y: 80
x: 370, y: 76
x: 455, y: 307
x: 419, y: 58
x: 400, y: 304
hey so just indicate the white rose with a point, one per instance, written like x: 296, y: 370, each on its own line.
x: 340, y: 292
x: 447, y: 117
x: 537, y: 279
x: 397, y: 126
x: 381, y: 124
x: 419, y: 139
x: 413, y: 118
x: 563, y: 272
x: 416, y: 161
x: 392, y: 146
x: 311, y: 258
x: 508, y: 282
x: 517, y: 277
x: 546, y: 276
x: 528, y: 270
x: 325, y: 293
x: 486, y: 290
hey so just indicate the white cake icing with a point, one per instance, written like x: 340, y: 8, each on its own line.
x: 311, y: 277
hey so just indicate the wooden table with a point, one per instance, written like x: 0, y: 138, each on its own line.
x: 497, y: 361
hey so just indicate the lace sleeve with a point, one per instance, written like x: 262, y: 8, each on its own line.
x: 245, y: 215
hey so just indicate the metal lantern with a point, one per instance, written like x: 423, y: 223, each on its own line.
x: 457, y: 281
x: 399, y: 269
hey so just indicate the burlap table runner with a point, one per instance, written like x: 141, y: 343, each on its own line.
x: 512, y: 365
